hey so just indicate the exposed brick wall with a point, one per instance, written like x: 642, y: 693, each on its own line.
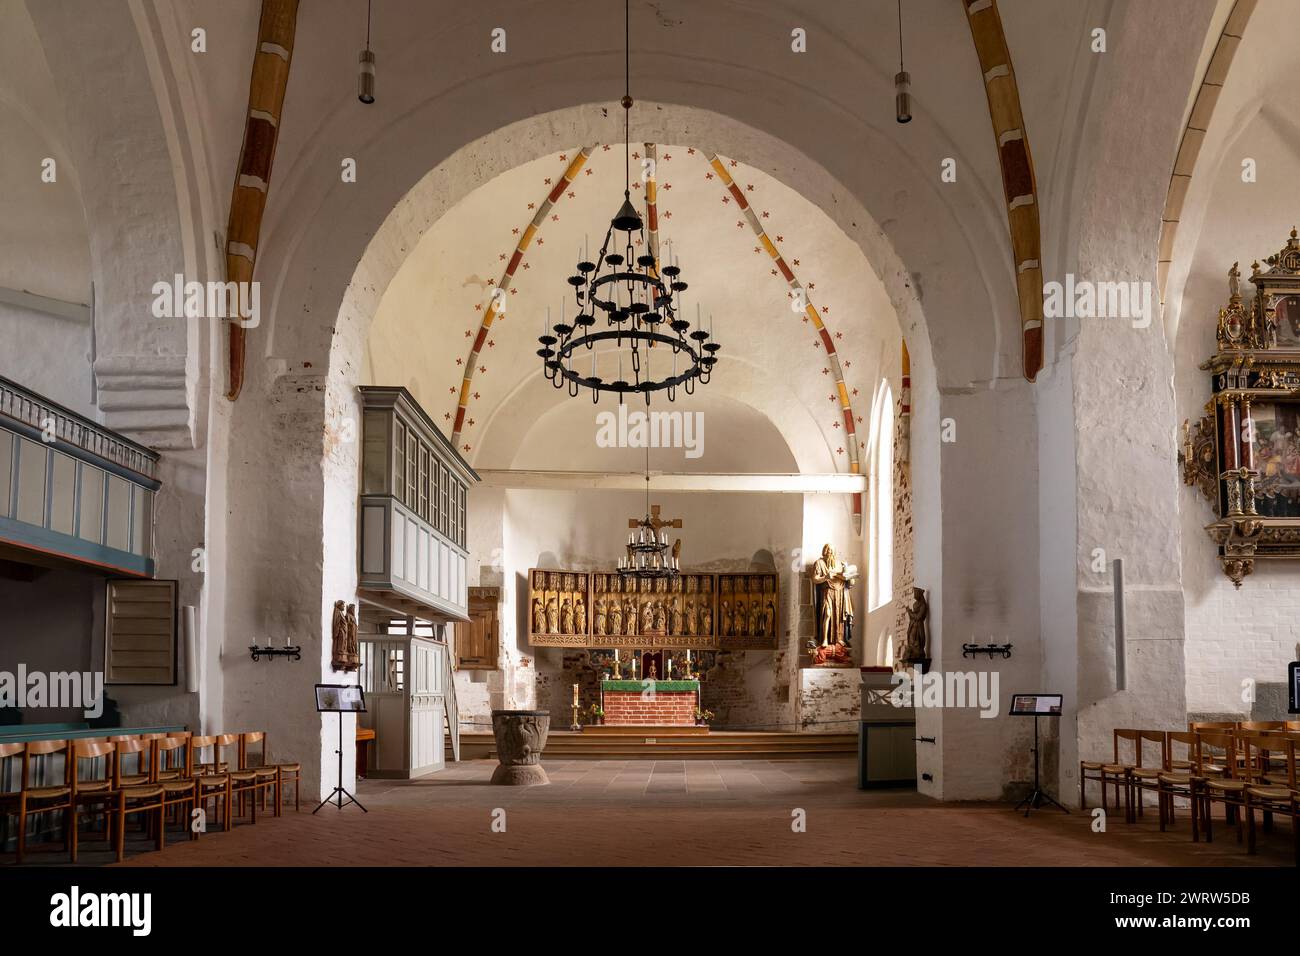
x: 557, y: 672
x: 663, y: 708
x: 748, y: 690
x: 904, y: 562
x: 829, y: 700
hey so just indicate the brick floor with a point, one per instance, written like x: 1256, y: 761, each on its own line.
x: 609, y: 813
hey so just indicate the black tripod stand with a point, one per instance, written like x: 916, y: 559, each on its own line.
x: 1036, y: 797
x: 338, y: 791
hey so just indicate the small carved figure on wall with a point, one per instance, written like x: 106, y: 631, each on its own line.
x: 339, y: 638
x: 916, y: 646
x: 352, y: 652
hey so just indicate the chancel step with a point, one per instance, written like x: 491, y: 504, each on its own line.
x: 682, y: 743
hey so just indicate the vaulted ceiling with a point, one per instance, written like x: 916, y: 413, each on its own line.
x: 459, y: 323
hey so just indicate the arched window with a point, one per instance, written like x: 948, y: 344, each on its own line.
x: 880, y: 588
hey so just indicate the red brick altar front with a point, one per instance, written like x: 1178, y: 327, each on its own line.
x: 641, y: 707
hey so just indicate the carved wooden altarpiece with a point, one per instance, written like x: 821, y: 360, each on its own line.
x: 1244, y: 453
x: 693, y: 610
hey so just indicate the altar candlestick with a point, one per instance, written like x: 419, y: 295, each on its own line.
x: 575, y: 695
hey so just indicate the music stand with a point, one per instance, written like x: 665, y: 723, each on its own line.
x: 1036, y: 705
x: 340, y: 699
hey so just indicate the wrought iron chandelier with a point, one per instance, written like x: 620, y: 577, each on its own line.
x: 648, y: 552
x: 641, y: 302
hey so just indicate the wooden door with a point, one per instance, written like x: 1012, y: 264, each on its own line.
x: 477, y: 641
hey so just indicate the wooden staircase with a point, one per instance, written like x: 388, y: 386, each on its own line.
x: 674, y: 743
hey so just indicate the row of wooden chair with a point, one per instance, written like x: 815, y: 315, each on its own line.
x: 1248, y: 766
x: 150, y: 775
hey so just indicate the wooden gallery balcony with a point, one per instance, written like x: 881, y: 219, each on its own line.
x: 412, y: 535
x: 71, y: 491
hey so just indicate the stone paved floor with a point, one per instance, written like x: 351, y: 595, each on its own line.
x: 739, y: 812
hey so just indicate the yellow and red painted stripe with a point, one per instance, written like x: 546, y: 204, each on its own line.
x: 801, y: 293
x: 494, y: 308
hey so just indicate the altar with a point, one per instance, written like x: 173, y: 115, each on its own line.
x: 650, y: 703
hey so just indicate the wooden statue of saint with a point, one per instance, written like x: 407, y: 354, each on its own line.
x: 834, y: 604
x: 345, y: 651
x: 353, y: 645
x: 916, y: 646
x: 339, y: 638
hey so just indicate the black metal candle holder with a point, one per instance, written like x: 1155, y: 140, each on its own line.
x: 970, y: 650
x: 291, y: 651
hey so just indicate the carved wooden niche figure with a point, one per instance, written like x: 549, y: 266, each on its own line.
x: 706, y: 621
x: 675, y: 620
x: 579, y: 615
x: 600, y: 616
x: 689, y: 623
x: 726, y: 618
x: 916, y: 647
x: 615, y: 617
x: 339, y: 638
x: 352, y: 653
x: 566, y: 617
x: 552, y: 617
x: 629, y: 615
x: 834, y: 605
x: 539, y: 616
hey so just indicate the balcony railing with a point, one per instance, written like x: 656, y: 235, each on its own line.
x: 40, y: 413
